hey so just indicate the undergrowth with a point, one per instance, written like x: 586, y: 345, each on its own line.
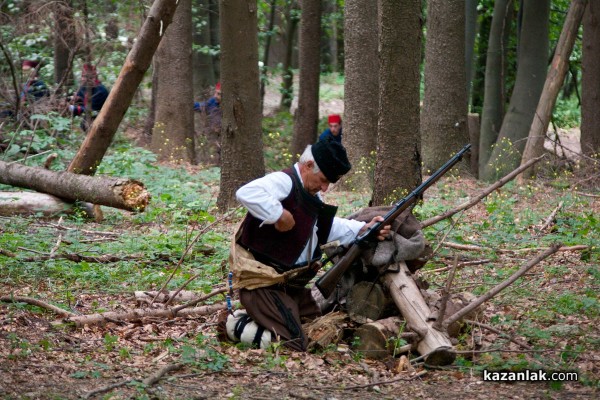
x: 554, y: 308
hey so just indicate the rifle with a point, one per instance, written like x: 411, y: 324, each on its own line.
x: 327, y: 283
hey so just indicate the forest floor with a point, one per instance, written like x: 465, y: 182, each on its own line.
x: 40, y: 360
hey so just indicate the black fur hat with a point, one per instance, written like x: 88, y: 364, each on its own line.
x: 331, y: 158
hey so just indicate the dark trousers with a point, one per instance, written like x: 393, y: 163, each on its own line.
x: 281, y: 309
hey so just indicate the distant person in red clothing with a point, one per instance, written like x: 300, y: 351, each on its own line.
x: 334, y: 132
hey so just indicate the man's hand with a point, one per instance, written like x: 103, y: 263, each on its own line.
x: 285, y: 222
x: 385, y: 231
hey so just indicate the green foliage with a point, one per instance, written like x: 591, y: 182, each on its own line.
x: 277, y: 137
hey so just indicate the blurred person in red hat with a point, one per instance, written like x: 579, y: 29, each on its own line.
x: 34, y: 88
x: 90, y: 96
x: 334, y: 132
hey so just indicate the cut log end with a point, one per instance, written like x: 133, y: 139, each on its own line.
x: 135, y: 195
x: 365, y: 302
x: 441, y: 356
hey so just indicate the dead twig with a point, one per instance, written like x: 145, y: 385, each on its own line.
x: 445, y: 296
x: 189, y: 247
x: 460, y: 265
x: 482, y: 195
x: 38, y: 303
x: 149, y: 381
x: 106, y: 388
x: 170, y: 299
x: 550, y: 218
x: 194, y: 302
x: 156, y: 377
x: 498, y: 288
x: 471, y: 247
x: 498, y: 332
x: 57, y: 245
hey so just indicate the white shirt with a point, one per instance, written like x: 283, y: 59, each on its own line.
x: 262, y: 197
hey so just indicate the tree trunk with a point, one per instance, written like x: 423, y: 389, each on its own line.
x: 474, y: 128
x: 554, y: 82
x: 64, y: 44
x: 361, y: 97
x: 215, y: 33
x: 470, y: 35
x: 590, y: 81
x: 203, y: 67
x: 265, y: 67
x: 287, y: 84
x: 531, y: 73
x: 138, y: 60
x: 493, y: 100
x: 334, y: 40
x: 398, y: 163
x: 306, y: 117
x: 434, y: 345
x: 444, y: 122
x: 173, y: 131
x: 241, y: 134
x: 106, y: 191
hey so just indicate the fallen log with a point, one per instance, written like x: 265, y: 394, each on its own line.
x: 30, y: 203
x: 120, y: 193
x: 434, y: 345
x: 138, y: 314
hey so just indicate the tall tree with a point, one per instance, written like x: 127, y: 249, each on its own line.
x: 241, y: 145
x: 470, y: 35
x: 590, y: 81
x: 214, y: 16
x: 173, y: 132
x: 398, y: 165
x: 138, y: 60
x: 306, y: 118
x: 494, y: 100
x: 202, y: 60
x: 554, y: 81
x: 64, y: 43
x: 287, y: 84
x: 444, y: 122
x: 267, y: 47
x: 361, y: 94
x: 532, y: 62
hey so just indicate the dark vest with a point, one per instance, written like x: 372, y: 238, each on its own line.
x: 281, y: 249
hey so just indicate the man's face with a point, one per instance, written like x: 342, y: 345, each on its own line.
x: 335, y: 128
x: 313, y: 182
x: 218, y: 95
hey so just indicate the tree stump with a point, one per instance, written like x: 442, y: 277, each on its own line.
x: 365, y: 302
x: 376, y: 339
x: 326, y: 330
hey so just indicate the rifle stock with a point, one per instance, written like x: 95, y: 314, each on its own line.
x: 327, y: 283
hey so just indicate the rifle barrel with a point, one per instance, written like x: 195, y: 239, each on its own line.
x: 326, y: 283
